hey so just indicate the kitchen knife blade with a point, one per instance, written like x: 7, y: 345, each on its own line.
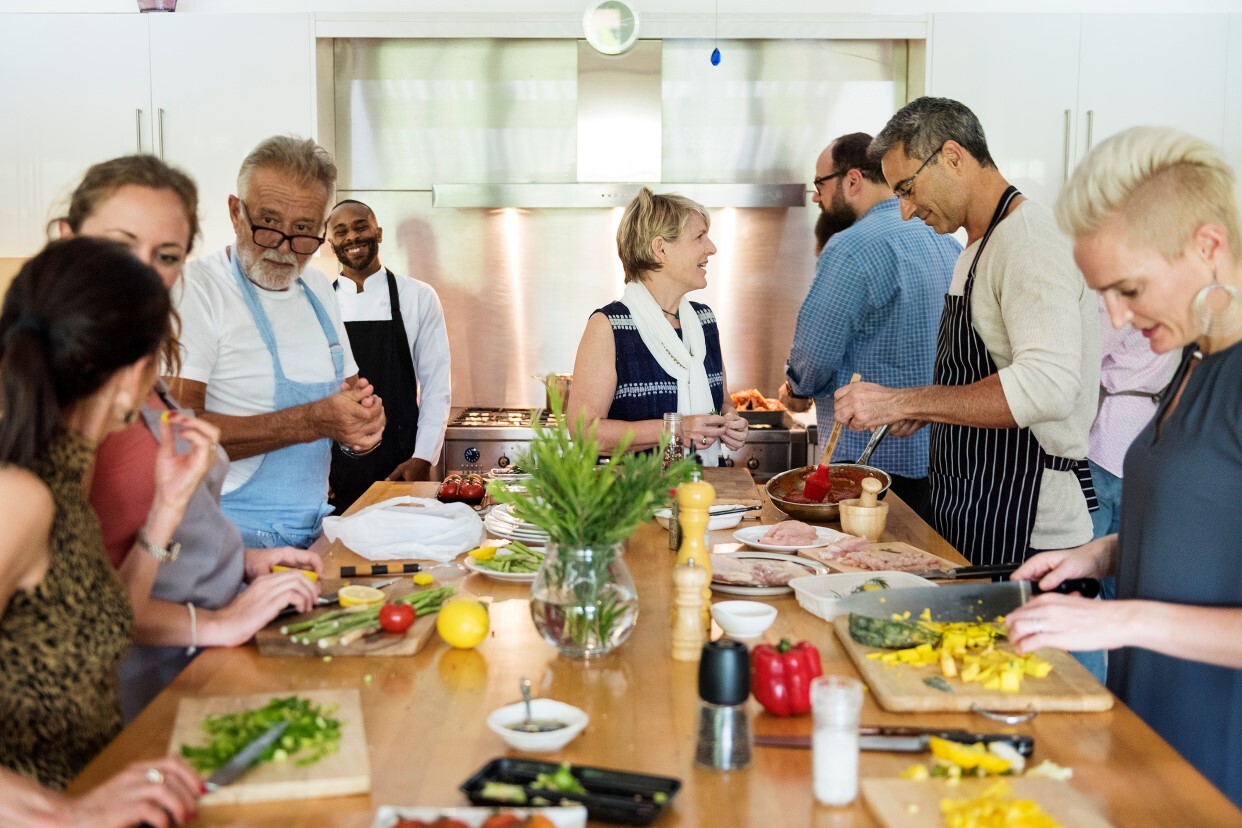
x: 961, y: 572
x: 330, y: 598
x: 233, y: 769
x: 956, y: 602
x: 906, y: 739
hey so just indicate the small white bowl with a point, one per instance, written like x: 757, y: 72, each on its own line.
x: 743, y: 619
x: 541, y: 709
x: 664, y: 516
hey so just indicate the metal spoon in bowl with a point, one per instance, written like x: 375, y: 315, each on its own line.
x: 531, y: 724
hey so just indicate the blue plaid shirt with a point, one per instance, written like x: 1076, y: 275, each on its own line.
x: 873, y: 308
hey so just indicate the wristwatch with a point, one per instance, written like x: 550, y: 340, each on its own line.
x: 161, y: 554
x: 789, y: 390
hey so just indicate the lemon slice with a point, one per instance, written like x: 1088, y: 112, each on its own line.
x: 359, y: 596
x: 309, y: 574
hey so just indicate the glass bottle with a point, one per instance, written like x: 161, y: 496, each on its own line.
x: 674, y: 450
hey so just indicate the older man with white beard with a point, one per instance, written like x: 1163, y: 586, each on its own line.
x: 265, y: 356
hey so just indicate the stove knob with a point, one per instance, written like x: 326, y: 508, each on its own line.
x: 728, y: 462
x: 472, y: 455
x: 502, y: 461
x: 752, y: 464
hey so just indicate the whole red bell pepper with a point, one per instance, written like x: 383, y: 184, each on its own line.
x: 780, y: 676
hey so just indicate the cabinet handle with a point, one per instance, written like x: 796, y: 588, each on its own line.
x: 1066, y: 174
x: 1090, y: 128
x: 161, y: 131
x: 138, y: 129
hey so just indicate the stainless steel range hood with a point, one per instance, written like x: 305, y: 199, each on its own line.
x: 619, y: 147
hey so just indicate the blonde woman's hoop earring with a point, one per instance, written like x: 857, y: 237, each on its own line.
x: 1216, y: 321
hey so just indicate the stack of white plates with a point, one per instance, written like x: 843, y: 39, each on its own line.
x: 501, y: 523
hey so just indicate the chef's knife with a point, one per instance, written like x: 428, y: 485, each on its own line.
x: 330, y: 598
x: 906, y: 739
x: 956, y: 602
x: 233, y: 769
x: 961, y: 572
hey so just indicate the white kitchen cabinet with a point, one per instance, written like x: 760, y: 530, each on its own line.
x: 220, y: 83
x: 1233, y: 98
x: 1048, y: 87
x: 1019, y: 74
x: 1155, y: 70
x: 198, y: 89
x: 76, y: 89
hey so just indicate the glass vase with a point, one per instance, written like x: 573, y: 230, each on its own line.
x: 583, y: 601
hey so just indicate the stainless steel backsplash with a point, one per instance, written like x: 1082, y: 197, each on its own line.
x: 518, y: 284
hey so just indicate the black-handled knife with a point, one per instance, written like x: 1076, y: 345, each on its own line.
x: 906, y: 739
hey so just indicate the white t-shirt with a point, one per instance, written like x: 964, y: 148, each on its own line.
x: 221, y: 346
x: 423, y: 319
x: 1038, y: 319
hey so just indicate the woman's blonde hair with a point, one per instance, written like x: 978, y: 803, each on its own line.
x: 1162, y: 183
x: 648, y: 216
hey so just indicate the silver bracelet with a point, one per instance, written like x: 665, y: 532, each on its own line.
x: 348, y: 452
x: 193, y: 648
x: 161, y: 554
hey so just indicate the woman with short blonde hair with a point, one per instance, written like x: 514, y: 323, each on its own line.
x: 655, y: 352
x: 1155, y: 225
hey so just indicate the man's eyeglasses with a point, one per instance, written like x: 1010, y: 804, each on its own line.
x: 826, y: 178
x: 271, y: 238
x: 904, y: 188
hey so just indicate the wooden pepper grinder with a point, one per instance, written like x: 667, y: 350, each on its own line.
x: 694, y: 499
x: 689, y: 634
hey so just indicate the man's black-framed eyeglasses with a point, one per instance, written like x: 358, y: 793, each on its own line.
x: 826, y: 178
x: 904, y: 188
x: 271, y: 238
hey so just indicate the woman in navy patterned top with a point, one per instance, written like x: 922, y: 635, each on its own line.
x: 654, y: 351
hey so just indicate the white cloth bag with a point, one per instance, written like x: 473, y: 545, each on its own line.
x: 408, y: 527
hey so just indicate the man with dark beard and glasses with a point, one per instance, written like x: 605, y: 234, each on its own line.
x: 265, y: 355
x: 396, y: 328
x: 873, y: 308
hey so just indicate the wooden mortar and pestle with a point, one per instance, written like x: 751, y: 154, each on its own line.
x: 865, y: 516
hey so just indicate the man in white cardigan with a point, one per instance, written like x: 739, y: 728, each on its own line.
x: 1018, y: 350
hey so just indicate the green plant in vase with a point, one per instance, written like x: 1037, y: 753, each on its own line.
x: 583, y: 599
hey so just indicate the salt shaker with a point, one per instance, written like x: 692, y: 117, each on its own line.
x: 724, y: 741
x: 835, y: 704
x: 688, y: 632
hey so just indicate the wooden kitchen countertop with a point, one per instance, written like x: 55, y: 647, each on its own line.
x: 424, y: 716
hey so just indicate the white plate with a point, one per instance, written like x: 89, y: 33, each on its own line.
x: 389, y: 815
x: 529, y: 540
x: 518, y: 577
x: 715, y: 522
x: 751, y: 535
x: 820, y: 594
x: 812, y: 567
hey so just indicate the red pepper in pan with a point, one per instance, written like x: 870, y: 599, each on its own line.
x: 780, y: 676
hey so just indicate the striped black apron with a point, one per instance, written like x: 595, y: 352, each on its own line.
x: 985, y: 481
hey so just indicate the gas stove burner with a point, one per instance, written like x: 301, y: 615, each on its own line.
x: 501, y: 417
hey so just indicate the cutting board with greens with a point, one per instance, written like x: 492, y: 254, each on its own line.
x: 901, y: 803
x: 323, y: 751
x: 914, y: 682
x: 320, y: 632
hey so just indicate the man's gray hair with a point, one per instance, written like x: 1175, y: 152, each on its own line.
x: 300, y: 158
x: 922, y: 126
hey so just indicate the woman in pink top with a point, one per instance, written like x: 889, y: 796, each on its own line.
x: 185, y: 592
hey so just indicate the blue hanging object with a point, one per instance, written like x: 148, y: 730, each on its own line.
x: 715, y: 57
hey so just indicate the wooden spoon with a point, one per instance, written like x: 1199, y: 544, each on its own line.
x: 819, y: 484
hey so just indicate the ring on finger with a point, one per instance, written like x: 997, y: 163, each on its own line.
x: 155, y: 776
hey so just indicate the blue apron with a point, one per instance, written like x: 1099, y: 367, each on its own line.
x: 285, y: 501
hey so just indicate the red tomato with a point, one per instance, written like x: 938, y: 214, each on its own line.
x: 501, y: 821
x: 396, y: 618
x: 448, y: 822
x: 470, y: 490
x: 410, y: 823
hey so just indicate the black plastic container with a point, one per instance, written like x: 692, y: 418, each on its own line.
x: 613, y: 795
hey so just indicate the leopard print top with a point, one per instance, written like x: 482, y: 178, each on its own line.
x: 60, y: 643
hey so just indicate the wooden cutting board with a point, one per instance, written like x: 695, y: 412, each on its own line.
x: 900, y: 687
x: 346, y: 772
x: 733, y: 485
x: 902, y: 803
x: 273, y: 643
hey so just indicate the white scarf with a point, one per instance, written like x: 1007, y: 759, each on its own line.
x: 681, y: 357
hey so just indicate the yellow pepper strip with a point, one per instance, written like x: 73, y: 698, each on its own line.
x: 994, y: 808
x: 423, y: 579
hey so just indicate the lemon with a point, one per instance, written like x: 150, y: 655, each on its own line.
x: 463, y: 623
x: 310, y: 574
x: 359, y: 596
x: 483, y: 553
x: 423, y: 579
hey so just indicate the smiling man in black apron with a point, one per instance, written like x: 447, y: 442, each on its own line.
x: 396, y: 328
x: 1018, y: 352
